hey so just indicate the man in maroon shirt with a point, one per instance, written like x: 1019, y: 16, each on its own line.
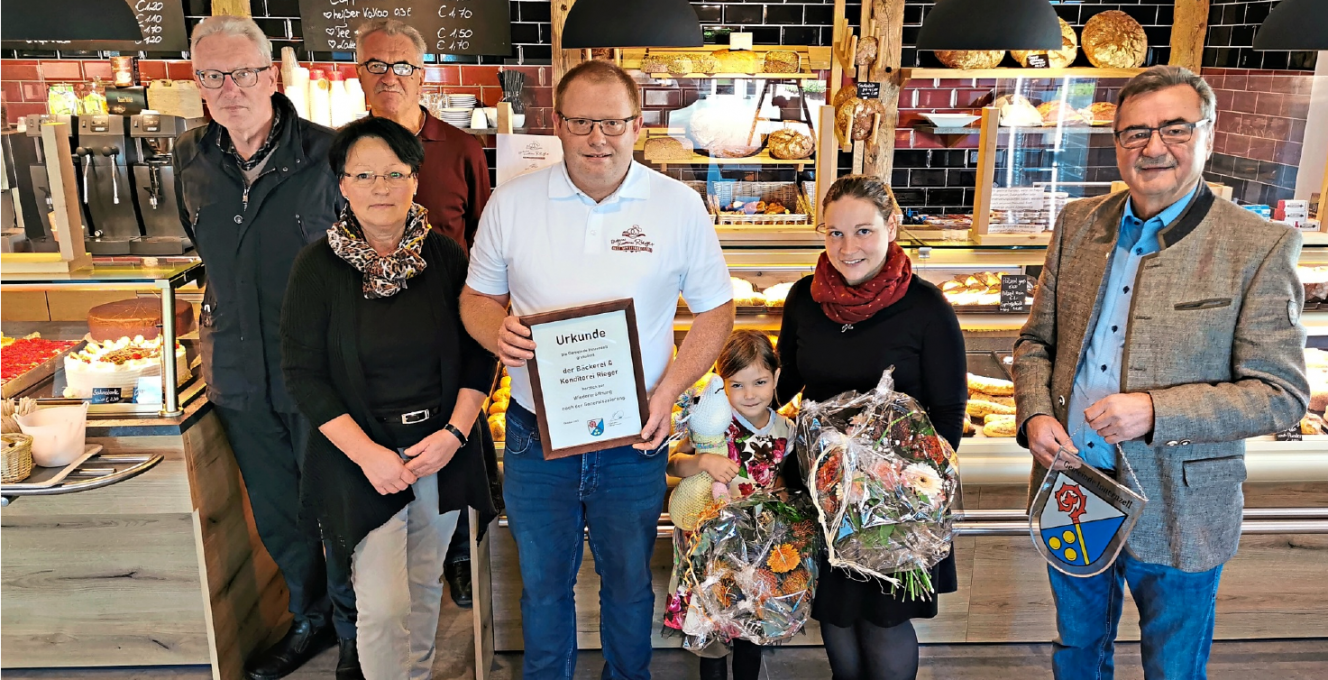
x: 454, y: 179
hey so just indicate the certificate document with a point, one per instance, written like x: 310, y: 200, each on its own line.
x: 587, y: 379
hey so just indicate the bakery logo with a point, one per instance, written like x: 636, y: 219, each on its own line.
x: 633, y: 241
x: 596, y: 427
x: 534, y: 152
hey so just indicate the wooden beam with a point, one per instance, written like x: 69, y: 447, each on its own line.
x: 991, y: 117
x: 235, y: 8
x: 839, y: 40
x: 827, y: 156
x: 887, y: 24
x: 1188, y: 33
x: 563, y: 60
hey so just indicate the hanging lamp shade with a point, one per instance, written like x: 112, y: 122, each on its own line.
x: 631, y: 23
x: 1295, y: 25
x: 69, y: 20
x: 990, y: 25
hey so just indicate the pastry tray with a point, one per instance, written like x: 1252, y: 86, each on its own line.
x: 46, y: 477
x: 35, y: 375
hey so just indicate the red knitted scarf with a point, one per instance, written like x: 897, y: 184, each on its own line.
x: 847, y: 304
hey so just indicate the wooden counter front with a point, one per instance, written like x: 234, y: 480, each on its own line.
x: 162, y: 569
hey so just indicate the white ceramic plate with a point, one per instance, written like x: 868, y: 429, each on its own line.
x: 950, y: 120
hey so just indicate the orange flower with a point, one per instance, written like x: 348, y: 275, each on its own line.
x: 783, y: 558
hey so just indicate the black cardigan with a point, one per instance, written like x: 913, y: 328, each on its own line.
x: 321, y: 363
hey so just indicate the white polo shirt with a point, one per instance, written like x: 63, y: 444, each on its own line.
x: 551, y: 247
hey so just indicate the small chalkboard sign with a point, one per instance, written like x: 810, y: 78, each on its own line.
x: 478, y: 27
x: 1291, y: 434
x: 869, y: 90
x: 1014, y: 293
x: 1038, y: 61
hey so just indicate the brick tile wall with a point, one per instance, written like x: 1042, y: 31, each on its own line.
x: 1231, y: 28
x: 1261, y: 120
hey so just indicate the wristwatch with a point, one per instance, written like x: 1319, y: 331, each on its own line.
x: 455, y: 433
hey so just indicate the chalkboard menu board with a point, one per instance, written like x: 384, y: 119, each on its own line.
x: 448, y: 26
x: 162, y: 22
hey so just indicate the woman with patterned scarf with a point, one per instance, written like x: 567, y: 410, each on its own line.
x: 375, y: 355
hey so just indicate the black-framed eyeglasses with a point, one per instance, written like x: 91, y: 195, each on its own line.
x: 365, y: 180
x: 243, y: 77
x: 378, y: 67
x: 611, y: 127
x: 1172, y: 134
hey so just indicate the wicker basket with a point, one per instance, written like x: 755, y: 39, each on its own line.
x: 786, y: 193
x: 17, y: 458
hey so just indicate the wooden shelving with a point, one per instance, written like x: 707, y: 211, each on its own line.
x: 1009, y: 73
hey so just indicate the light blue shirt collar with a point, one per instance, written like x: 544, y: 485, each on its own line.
x: 1160, y: 221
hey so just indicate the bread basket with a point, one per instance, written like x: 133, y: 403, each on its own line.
x: 17, y: 458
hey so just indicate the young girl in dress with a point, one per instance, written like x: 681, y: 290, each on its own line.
x: 759, y: 441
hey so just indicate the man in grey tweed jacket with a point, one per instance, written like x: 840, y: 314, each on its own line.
x: 1167, y: 322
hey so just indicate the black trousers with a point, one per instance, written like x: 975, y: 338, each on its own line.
x: 269, y: 448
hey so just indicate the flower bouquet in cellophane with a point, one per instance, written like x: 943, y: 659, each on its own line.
x: 748, y: 571
x: 883, y: 483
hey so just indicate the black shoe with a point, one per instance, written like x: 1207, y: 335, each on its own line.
x: 302, y: 642
x: 457, y: 575
x: 348, y: 663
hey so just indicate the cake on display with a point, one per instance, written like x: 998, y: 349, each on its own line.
x: 136, y: 317
x: 101, y: 367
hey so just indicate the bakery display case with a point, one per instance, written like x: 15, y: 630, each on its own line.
x: 115, y: 357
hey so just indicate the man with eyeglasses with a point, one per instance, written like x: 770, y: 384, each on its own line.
x: 1165, y: 332
x: 596, y: 227
x: 255, y: 188
x: 454, y: 179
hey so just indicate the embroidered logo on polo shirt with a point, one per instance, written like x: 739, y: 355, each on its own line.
x: 633, y: 241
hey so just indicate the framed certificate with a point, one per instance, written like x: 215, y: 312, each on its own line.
x: 590, y: 390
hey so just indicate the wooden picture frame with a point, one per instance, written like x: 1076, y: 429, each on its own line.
x: 628, y: 308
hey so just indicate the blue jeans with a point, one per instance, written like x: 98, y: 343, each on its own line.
x: 619, y: 494
x: 1176, y: 614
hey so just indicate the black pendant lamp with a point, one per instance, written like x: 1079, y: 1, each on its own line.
x: 632, y: 23
x: 69, y: 20
x: 1295, y: 25
x: 990, y: 25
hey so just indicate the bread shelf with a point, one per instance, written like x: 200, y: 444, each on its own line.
x: 748, y: 76
x: 762, y: 158
x: 1040, y: 130
x: 1008, y: 73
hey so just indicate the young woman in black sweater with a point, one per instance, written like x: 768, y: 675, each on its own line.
x: 864, y: 311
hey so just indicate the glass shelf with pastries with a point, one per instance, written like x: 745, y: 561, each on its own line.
x: 96, y: 335
x: 739, y: 127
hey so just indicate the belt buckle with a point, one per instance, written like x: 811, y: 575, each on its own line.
x: 415, y: 417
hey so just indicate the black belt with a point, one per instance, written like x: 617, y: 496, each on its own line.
x: 412, y: 417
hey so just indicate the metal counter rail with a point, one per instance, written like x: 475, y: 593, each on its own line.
x: 103, y: 469
x: 1015, y: 523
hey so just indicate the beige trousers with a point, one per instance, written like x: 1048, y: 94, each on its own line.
x: 396, y: 572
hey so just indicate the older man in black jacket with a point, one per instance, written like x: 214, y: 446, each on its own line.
x: 256, y: 188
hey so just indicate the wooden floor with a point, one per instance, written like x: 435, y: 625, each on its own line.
x: 1261, y: 660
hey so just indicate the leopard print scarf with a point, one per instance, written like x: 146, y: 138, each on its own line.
x: 383, y: 276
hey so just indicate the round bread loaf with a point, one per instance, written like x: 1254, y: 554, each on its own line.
x: 1113, y: 39
x: 790, y: 144
x: 1060, y: 58
x: 969, y: 59
x: 138, y: 316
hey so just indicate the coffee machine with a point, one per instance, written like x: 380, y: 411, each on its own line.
x: 105, y: 155
x: 154, y: 183
x: 40, y: 184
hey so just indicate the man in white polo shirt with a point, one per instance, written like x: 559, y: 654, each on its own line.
x: 593, y: 228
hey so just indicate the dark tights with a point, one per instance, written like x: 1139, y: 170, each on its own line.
x: 746, y: 663
x: 869, y: 652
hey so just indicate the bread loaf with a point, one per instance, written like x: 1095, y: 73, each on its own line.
x: 1058, y: 58
x: 703, y: 63
x: 867, y: 51
x: 1113, y: 39
x: 978, y: 408
x: 498, y: 427
x: 740, y: 61
x: 781, y: 61
x: 982, y: 396
x: 790, y: 144
x: 1000, y: 388
x: 662, y: 149
x: 1000, y: 428
x: 996, y: 417
x: 970, y: 59
x: 655, y: 63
